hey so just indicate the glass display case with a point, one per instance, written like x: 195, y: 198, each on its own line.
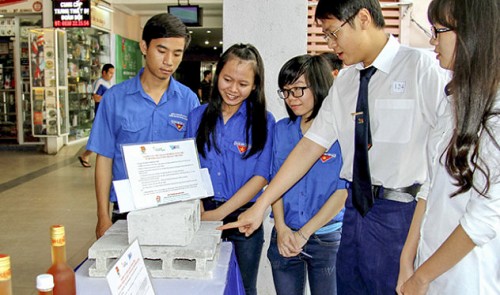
x: 23, y: 88
x: 15, y: 105
x: 8, y: 130
x: 88, y: 51
x: 49, y: 91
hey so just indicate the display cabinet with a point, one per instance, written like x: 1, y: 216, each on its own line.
x: 8, y: 129
x: 15, y: 105
x: 23, y: 88
x: 88, y: 50
x: 49, y: 91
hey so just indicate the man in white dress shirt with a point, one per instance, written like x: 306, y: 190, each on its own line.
x: 403, y: 95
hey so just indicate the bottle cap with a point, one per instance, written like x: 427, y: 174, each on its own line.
x: 4, y: 267
x: 45, y: 282
x: 57, y: 235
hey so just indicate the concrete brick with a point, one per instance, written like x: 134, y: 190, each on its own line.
x: 172, y: 224
x: 195, y: 260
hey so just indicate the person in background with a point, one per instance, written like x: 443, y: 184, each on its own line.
x: 234, y: 135
x: 205, y: 86
x: 334, y: 61
x: 308, y: 217
x: 454, y: 241
x: 100, y: 86
x: 382, y: 125
x: 150, y: 107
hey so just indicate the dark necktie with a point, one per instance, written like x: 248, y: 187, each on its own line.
x: 362, y: 196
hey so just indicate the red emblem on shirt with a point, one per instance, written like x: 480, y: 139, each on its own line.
x: 325, y: 157
x: 242, y: 148
x: 178, y: 125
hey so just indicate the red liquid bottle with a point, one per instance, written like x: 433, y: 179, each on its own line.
x: 5, y: 275
x: 64, y: 276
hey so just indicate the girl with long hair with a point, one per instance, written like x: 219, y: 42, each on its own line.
x: 454, y: 240
x: 234, y: 134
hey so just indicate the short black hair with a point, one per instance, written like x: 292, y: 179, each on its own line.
x: 165, y: 25
x: 206, y: 72
x: 318, y: 77
x: 344, y: 9
x: 106, y: 68
x: 333, y: 60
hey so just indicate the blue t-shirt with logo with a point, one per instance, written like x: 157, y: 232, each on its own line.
x: 127, y: 115
x: 228, y: 170
x: 303, y: 200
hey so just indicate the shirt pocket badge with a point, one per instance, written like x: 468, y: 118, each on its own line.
x: 180, y: 126
x: 242, y: 147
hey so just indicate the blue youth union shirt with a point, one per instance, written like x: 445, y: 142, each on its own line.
x: 127, y: 115
x: 310, y: 193
x: 228, y: 171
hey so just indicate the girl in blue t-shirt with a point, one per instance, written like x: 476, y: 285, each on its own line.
x: 308, y: 217
x: 234, y: 139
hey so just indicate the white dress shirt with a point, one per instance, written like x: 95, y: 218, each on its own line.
x: 478, y: 272
x: 403, y: 96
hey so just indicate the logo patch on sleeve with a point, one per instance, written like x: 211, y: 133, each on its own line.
x: 326, y: 157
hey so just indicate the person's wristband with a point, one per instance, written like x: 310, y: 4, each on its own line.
x: 302, y: 235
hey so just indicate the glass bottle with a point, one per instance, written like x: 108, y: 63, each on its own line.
x: 45, y: 284
x: 64, y: 276
x: 5, y: 275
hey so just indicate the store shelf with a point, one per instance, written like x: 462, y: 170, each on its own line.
x: 85, y: 50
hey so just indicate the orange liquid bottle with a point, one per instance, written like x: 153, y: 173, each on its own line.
x: 64, y: 276
x: 45, y: 284
x: 5, y: 275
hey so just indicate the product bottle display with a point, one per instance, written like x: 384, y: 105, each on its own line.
x: 5, y: 275
x: 64, y: 276
x: 45, y: 284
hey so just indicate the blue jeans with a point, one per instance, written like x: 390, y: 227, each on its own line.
x: 289, y: 273
x: 248, y: 251
x: 368, y: 258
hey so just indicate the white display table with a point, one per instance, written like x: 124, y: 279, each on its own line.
x: 226, y: 279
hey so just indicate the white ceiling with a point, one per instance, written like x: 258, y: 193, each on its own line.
x: 212, y: 17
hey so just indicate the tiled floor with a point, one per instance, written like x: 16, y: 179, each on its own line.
x: 38, y: 190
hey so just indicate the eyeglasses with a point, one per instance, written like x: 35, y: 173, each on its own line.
x: 295, y: 92
x: 435, y: 31
x: 333, y: 35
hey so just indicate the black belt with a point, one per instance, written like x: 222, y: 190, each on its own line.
x: 403, y: 194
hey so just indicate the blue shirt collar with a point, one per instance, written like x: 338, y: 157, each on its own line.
x: 173, y: 89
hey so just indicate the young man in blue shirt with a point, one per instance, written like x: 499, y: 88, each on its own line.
x: 150, y: 107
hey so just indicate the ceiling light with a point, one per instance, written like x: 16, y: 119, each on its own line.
x: 206, y: 42
x: 208, y: 31
x: 220, y: 42
x: 190, y: 32
x: 215, y: 47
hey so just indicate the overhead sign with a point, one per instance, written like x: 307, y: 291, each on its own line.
x: 67, y: 13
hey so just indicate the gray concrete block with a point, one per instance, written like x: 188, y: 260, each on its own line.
x: 195, y: 260
x: 172, y: 224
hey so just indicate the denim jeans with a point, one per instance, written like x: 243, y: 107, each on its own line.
x: 289, y: 273
x: 368, y: 258
x: 248, y: 251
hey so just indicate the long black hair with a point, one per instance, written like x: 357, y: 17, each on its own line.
x: 256, y: 122
x: 317, y: 74
x: 474, y: 86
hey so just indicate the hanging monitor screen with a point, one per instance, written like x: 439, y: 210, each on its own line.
x: 190, y: 15
x: 67, y: 13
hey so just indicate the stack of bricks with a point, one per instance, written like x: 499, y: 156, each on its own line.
x: 173, y: 240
